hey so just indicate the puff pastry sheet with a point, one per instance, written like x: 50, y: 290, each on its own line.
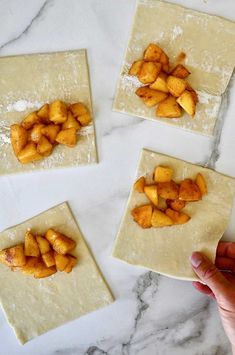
x: 26, y: 83
x: 209, y: 43
x: 34, y: 306
x: 166, y: 250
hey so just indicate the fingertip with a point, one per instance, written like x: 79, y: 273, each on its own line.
x: 208, y: 273
x: 196, y: 259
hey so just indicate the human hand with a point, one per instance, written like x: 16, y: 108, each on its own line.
x: 219, y: 283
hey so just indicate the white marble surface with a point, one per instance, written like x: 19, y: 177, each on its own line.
x: 152, y: 314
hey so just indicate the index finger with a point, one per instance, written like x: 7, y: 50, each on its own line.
x: 226, y: 249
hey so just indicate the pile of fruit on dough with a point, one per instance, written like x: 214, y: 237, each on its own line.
x: 165, y: 87
x: 167, y: 197
x: 36, y: 136
x: 41, y: 256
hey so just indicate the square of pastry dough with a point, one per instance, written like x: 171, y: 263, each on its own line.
x: 166, y: 250
x: 208, y: 42
x: 29, y: 81
x: 34, y: 306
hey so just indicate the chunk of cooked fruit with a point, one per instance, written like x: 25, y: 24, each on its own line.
x: 135, y: 67
x: 85, y: 119
x: 194, y: 96
x: 43, y: 244
x: 36, y: 132
x: 160, y: 219
x: 180, y: 71
x: 30, y: 120
x: 60, y: 243
x: 13, y: 256
x: 44, y: 147
x: 49, y: 259
x: 61, y: 261
x: 31, y: 247
x: 176, y: 86
x: 19, y: 138
x: 78, y: 109
x: 31, y: 264
x: 193, y: 93
x: 139, y: 184
x: 149, y: 96
x: 29, y: 154
x: 163, y: 174
x: 58, y: 112
x: 42, y: 272
x: 63, y: 244
x: 189, y: 191
x: 67, y: 137
x: 176, y: 205
x: 152, y: 53
x: 36, y: 268
x: 186, y: 101
x: 151, y: 192
x: 71, y: 122
x: 201, y: 183
x: 168, y: 190
x: 160, y: 83
x: 164, y: 59
x: 183, y: 218
x: 44, y: 114
x: 176, y: 216
x: 149, y: 72
x: 169, y: 108
x: 51, y: 235
x: 72, y: 262
x: 51, y: 132
x: 143, y: 215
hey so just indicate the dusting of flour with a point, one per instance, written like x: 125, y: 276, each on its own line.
x: 23, y: 105
x: 177, y: 31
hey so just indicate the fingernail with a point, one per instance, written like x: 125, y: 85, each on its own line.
x: 196, y: 259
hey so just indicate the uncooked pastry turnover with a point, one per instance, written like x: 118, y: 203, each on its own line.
x: 29, y: 81
x: 166, y: 250
x: 208, y: 42
x: 34, y: 306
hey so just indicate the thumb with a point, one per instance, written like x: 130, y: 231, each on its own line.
x: 209, y: 274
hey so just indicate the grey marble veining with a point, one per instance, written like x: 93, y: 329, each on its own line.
x: 215, y: 146
x: 152, y: 315
x: 178, y: 331
x: 37, y: 16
